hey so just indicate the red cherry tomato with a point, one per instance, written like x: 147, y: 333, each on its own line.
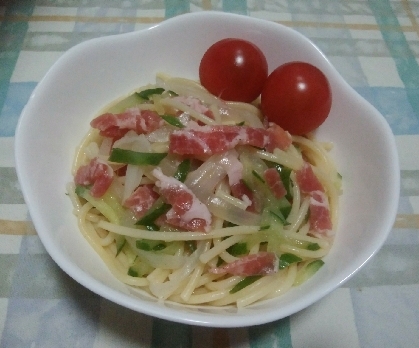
x: 234, y: 69
x: 297, y: 97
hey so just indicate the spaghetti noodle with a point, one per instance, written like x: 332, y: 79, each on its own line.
x: 199, y: 201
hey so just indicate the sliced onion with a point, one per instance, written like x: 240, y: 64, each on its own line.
x: 228, y: 211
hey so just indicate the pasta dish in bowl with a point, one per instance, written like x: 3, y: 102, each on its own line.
x: 192, y: 208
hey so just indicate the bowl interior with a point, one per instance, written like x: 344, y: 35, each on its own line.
x: 93, y: 74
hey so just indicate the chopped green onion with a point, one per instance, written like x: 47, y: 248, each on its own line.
x: 147, y: 93
x: 286, y: 259
x: 183, y: 170
x: 266, y: 227
x: 136, y: 158
x: 173, y: 120
x: 244, y: 282
x: 238, y: 249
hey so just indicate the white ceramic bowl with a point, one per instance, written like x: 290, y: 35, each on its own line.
x: 96, y: 72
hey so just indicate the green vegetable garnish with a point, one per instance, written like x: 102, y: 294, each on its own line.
x: 286, y: 259
x: 238, y: 249
x: 313, y: 247
x: 132, y: 272
x: 257, y: 176
x: 159, y: 208
x: 308, y: 271
x: 147, y: 93
x: 244, y: 282
x: 149, y: 245
x: 183, y: 170
x: 173, y: 120
x: 136, y: 158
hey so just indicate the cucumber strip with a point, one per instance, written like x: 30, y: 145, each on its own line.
x: 136, y: 158
x: 308, y: 271
x: 108, y: 205
x: 258, y: 176
x: 147, y: 93
x: 173, y: 120
x: 286, y: 259
x: 159, y: 208
x: 120, y: 242
x: 313, y: 246
x: 182, y: 170
x: 139, y: 268
x: 244, y: 282
x: 238, y: 249
x: 149, y: 245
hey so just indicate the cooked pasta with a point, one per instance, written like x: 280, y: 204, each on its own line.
x: 200, y: 201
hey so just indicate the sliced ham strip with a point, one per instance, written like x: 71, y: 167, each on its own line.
x: 209, y: 140
x: 241, y: 191
x: 117, y: 125
x: 320, y: 219
x: 278, y: 138
x: 261, y: 263
x: 96, y: 173
x: 307, y: 180
x: 141, y: 200
x: 187, y: 210
x: 273, y: 179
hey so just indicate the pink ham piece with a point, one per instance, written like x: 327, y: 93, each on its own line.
x: 195, y: 104
x: 187, y: 210
x: 117, y: 125
x: 261, y: 263
x: 278, y: 138
x: 273, y: 179
x: 320, y: 219
x: 141, y: 200
x: 241, y: 191
x: 307, y: 180
x: 209, y: 140
x: 96, y: 173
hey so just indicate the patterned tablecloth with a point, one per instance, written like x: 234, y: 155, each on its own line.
x: 374, y: 45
